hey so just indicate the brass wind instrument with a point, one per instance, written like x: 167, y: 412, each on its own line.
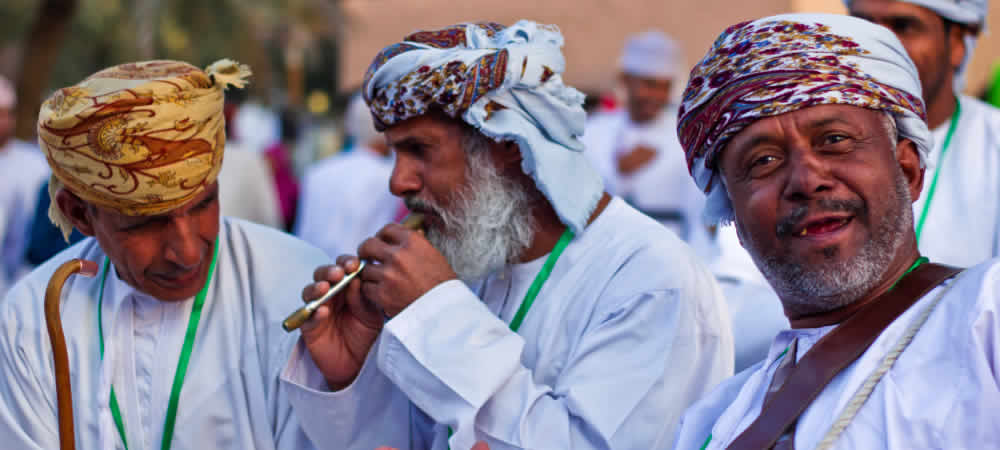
x: 64, y: 390
x: 295, y: 320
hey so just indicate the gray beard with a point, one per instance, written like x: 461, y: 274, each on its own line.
x: 833, y: 284
x: 490, y: 222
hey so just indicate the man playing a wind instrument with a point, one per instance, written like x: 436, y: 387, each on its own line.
x: 538, y: 312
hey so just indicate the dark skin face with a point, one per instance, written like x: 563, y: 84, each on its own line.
x: 166, y: 256
x: 646, y: 97
x: 821, y: 153
x: 935, y: 47
x: 430, y: 161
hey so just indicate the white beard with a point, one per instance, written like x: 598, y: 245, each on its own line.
x: 835, y: 284
x: 490, y: 223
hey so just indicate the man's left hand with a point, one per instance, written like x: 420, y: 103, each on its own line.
x: 405, y: 266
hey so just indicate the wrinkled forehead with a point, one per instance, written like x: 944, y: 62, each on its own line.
x: 433, y: 126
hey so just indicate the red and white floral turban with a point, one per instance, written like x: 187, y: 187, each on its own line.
x: 781, y: 64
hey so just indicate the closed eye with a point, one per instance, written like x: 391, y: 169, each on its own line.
x: 207, y: 202
x: 902, y: 25
x: 145, y: 223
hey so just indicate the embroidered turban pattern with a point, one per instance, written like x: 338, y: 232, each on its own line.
x: 785, y: 63
x: 140, y: 138
x: 504, y: 81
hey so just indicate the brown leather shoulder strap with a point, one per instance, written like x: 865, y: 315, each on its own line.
x: 834, y: 352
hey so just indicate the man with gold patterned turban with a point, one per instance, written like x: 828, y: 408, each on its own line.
x: 538, y: 311
x: 808, y: 131
x: 961, y: 197
x: 177, y: 342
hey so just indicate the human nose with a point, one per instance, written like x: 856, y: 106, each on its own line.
x: 808, y: 176
x: 183, y: 245
x: 405, y: 179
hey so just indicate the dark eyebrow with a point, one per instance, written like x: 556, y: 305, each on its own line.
x: 888, y: 18
x: 210, y: 198
x: 408, y: 141
x: 767, y: 139
x: 820, y: 123
x: 902, y: 17
x: 759, y: 140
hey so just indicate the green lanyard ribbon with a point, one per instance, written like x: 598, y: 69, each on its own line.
x: 540, y: 279
x: 536, y: 285
x: 182, y: 364
x: 937, y: 170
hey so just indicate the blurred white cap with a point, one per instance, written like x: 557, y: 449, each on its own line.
x: 652, y: 54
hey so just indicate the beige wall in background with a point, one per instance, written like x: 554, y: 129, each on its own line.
x: 987, y: 53
x: 594, y: 29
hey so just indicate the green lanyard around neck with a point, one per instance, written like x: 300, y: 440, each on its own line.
x: 182, y: 365
x: 937, y: 169
x: 540, y: 279
x: 536, y: 286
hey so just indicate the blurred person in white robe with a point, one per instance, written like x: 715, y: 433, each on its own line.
x: 636, y: 148
x: 246, y: 186
x: 346, y: 198
x: 754, y: 307
x: 24, y: 171
x: 638, y: 153
x: 958, y: 216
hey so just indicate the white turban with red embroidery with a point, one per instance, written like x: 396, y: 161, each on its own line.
x: 506, y: 82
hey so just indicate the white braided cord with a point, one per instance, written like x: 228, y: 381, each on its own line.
x: 864, y: 392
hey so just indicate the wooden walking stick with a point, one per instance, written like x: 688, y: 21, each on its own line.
x: 64, y: 392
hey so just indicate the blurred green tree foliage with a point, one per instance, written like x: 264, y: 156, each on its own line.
x: 102, y: 33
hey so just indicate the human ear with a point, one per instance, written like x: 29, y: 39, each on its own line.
x: 75, y: 209
x: 956, y: 39
x: 506, y: 155
x: 908, y: 158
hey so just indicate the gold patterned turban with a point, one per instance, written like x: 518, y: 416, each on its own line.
x: 140, y: 138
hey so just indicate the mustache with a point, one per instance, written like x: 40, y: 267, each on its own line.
x: 419, y: 205
x: 786, y: 225
x: 174, y: 270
